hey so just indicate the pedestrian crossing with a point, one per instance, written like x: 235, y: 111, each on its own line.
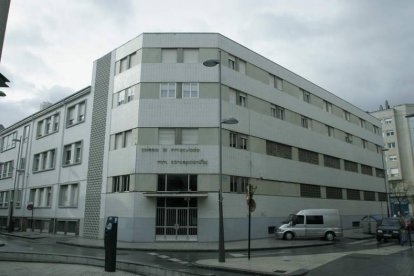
x: 168, y: 258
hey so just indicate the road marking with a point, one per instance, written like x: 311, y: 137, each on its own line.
x: 237, y: 255
x: 174, y: 260
x: 357, y: 242
x: 153, y: 253
x: 293, y: 263
x: 164, y: 256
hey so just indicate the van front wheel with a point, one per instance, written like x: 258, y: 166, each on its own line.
x: 329, y: 236
x: 288, y: 236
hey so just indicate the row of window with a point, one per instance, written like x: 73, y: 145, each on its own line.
x: 307, y: 190
x: 311, y: 157
x: 8, y: 141
x: 42, y: 197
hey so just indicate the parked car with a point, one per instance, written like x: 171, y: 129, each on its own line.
x: 388, y: 228
x: 312, y: 223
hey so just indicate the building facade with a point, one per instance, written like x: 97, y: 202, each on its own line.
x: 397, y: 131
x: 152, y: 156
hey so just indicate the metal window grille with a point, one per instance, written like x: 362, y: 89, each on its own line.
x: 333, y: 193
x: 310, y: 191
x: 279, y: 150
x: 379, y: 173
x: 308, y: 156
x: 350, y: 166
x: 369, y: 196
x: 332, y: 162
x: 382, y: 197
x: 366, y: 169
x: 353, y: 194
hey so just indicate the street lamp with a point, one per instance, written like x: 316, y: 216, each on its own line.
x: 11, y: 205
x: 212, y: 63
x: 383, y: 150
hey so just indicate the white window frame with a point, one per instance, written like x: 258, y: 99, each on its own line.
x: 79, y: 113
x: 72, y: 195
x: 306, y: 96
x: 167, y: 86
x: 193, y: 91
x: 75, y: 151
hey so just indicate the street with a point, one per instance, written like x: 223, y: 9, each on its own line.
x: 344, y: 257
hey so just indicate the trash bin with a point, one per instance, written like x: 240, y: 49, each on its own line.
x: 111, y: 232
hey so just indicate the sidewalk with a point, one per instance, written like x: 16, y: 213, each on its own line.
x: 256, y: 265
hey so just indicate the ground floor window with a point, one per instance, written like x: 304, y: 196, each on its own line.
x: 177, y: 183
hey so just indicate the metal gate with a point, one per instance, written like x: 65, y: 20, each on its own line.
x: 176, y: 224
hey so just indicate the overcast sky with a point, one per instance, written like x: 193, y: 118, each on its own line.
x: 360, y: 50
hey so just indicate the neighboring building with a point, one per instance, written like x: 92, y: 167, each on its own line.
x: 152, y: 119
x: 398, y: 133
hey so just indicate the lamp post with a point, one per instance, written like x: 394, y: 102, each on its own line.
x: 11, y: 205
x: 383, y: 150
x: 221, y: 249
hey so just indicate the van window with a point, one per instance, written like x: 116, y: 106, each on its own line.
x: 314, y: 219
x: 299, y: 219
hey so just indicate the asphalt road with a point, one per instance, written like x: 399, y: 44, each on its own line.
x: 345, y: 257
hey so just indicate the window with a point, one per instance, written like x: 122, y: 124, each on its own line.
x: 306, y: 96
x: 68, y: 195
x: 177, y: 183
x: 367, y: 170
x: 166, y: 136
x: 304, y: 122
x: 348, y: 138
x: 126, y: 63
x: 376, y: 130
x: 123, y: 139
x: 76, y: 114
x: 6, y: 169
x: 369, y: 196
x: 7, y: 141
x: 347, y: 115
x: 330, y: 131
x: 391, y: 145
x: 4, y: 199
x: 242, y: 99
x: 333, y: 193
x: 72, y: 154
x: 277, y: 112
x: 41, y: 197
x: 120, y: 183
x: 168, y: 55
x: 314, y: 219
x: 308, y: 156
x: 362, y: 122
x: 328, y: 106
x: 379, y: 173
x: 190, y: 90
x: 279, y: 150
x: 179, y: 136
x: 389, y: 133
x: 387, y: 121
x: 232, y: 62
x: 167, y: 90
x: 394, y: 172
x: 44, y: 161
x: 331, y: 162
x: 279, y: 83
x: 190, y: 55
x: 238, y: 184
x: 392, y: 157
x: 351, y: 166
x: 242, y: 66
x: 189, y: 136
x: 125, y: 96
x: 353, y: 194
x: 310, y: 191
x: 238, y: 140
x: 364, y: 143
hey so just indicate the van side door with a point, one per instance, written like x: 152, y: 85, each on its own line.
x: 315, y: 226
x: 299, y: 226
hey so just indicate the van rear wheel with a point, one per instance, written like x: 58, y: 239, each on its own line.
x: 329, y: 236
x: 288, y: 236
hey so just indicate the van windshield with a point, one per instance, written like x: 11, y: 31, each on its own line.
x: 288, y: 219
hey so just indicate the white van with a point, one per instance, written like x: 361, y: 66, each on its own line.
x: 312, y: 223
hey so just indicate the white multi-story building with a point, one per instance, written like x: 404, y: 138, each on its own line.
x: 398, y: 132
x: 149, y: 151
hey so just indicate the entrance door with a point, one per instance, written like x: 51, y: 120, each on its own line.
x: 176, y: 219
